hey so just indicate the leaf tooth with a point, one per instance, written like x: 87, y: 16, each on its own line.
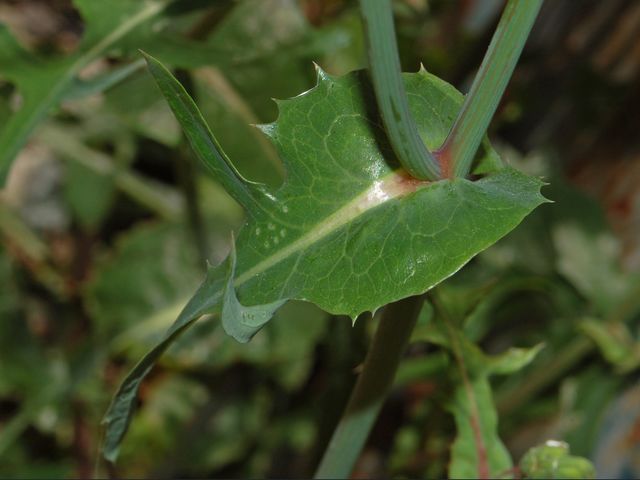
x: 323, y: 80
x: 269, y: 129
x: 422, y: 70
x: 321, y: 75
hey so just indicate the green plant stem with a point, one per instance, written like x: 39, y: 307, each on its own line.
x: 457, y: 152
x: 345, y: 345
x: 455, y: 341
x: 370, y: 391
x: 384, y: 64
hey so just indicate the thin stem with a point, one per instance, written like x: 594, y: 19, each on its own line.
x: 384, y: 64
x: 370, y: 391
x: 345, y: 345
x: 458, y: 150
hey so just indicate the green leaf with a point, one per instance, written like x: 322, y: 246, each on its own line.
x: 42, y: 83
x: 200, y: 137
x: 512, y: 360
x: 552, y: 460
x: 477, y: 451
x: 241, y: 322
x: 119, y: 26
x: 347, y: 230
x: 140, y: 315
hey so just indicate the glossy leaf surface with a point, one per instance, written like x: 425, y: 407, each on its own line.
x: 348, y: 230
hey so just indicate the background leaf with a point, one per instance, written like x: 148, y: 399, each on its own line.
x: 478, y: 451
x: 121, y: 26
x: 552, y: 460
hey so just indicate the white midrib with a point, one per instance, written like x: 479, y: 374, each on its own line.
x: 394, y: 185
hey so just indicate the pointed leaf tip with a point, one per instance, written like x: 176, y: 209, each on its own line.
x: 197, y: 131
x: 269, y: 129
x: 321, y: 75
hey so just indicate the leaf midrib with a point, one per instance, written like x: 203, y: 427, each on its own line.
x: 392, y: 186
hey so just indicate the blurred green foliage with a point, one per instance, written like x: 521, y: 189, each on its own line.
x: 100, y: 251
